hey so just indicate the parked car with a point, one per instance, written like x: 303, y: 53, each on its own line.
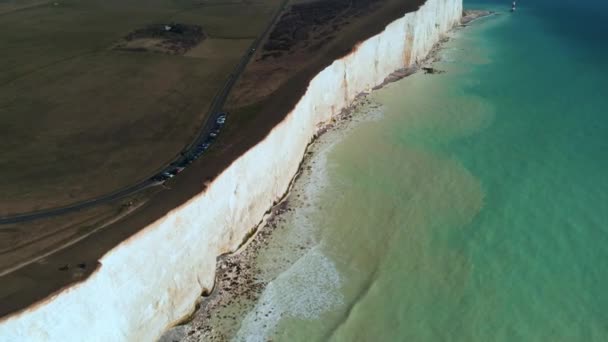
x: 183, y: 163
x: 199, y: 149
x: 175, y: 170
x: 157, y: 179
x: 161, y: 178
x: 167, y: 174
x: 221, y: 118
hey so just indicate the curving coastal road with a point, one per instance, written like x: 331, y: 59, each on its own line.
x: 214, y: 112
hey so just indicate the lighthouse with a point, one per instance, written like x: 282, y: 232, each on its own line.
x: 513, y: 7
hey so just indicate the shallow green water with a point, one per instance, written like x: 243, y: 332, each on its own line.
x: 473, y: 208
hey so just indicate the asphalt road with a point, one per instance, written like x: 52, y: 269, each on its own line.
x: 215, y: 109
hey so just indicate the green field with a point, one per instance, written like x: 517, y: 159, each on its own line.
x: 79, y: 119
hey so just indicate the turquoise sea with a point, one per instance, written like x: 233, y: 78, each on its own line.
x: 465, y: 206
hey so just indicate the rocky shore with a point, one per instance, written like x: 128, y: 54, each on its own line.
x: 424, y: 65
x: 468, y: 16
x: 237, y: 278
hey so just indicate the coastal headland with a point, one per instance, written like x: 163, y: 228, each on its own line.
x: 238, y: 282
x: 144, y: 273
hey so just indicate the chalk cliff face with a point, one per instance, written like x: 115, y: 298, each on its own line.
x: 152, y: 280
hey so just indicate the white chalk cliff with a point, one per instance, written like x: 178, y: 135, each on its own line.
x: 152, y: 280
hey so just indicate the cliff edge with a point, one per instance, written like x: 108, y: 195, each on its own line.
x: 152, y: 279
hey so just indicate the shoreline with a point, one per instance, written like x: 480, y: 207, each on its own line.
x: 470, y: 16
x: 236, y: 273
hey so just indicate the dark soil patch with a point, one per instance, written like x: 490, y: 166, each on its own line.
x: 172, y: 38
x: 313, y: 22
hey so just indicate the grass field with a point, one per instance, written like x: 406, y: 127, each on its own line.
x: 79, y: 119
